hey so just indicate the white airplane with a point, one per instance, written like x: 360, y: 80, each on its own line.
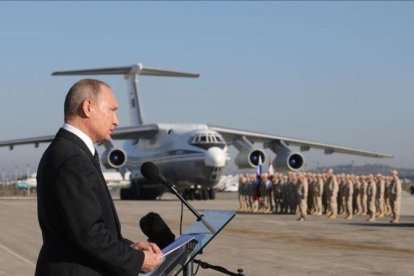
x: 188, y: 154
x: 228, y: 183
x: 113, y: 180
x: 27, y: 183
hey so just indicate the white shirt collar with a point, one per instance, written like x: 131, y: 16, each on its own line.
x: 85, y: 138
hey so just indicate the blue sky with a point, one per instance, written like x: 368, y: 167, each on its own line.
x: 335, y: 72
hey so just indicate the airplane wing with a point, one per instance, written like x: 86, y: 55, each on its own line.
x: 232, y: 134
x: 24, y: 141
x: 136, y: 132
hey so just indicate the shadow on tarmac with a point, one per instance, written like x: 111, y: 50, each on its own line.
x: 407, y: 222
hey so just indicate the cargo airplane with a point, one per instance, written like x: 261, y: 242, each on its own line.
x: 191, y: 155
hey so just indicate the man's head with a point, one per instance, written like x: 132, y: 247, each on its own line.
x: 264, y: 176
x: 91, y: 106
x: 329, y: 172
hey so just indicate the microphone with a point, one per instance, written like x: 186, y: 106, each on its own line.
x: 157, y: 231
x: 150, y: 171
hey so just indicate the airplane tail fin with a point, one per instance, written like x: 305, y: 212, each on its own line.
x: 137, y: 69
x: 131, y: 74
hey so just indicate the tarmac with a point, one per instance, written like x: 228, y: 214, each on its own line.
x: 260, y: 244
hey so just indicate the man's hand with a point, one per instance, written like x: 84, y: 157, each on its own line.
x: 152, y: 255
x: 146, y: 246
x: 151, y: 261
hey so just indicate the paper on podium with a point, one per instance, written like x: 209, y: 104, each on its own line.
x: 178, y: 243
x: 195, y: 238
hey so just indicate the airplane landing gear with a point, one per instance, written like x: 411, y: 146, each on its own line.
x: 211, y: 193
x: 130, y: 193
x: 196, y: 192
x: 139, y: 191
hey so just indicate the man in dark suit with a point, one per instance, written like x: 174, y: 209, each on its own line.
x: 80, y: 227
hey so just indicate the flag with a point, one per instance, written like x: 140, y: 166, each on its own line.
x: 271, y: 171
x: 256, y: 193
x: 259, y: 171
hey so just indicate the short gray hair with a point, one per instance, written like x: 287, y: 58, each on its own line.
x: 78, y: 93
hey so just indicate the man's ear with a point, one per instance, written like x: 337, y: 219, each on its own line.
x: 86, y: 108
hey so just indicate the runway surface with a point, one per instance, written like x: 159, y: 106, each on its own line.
x: 259, y: 244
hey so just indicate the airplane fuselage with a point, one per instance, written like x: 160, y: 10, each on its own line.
x: 186, y: 154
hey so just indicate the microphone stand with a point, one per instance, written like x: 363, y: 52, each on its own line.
x: 221, y: 269
x: 150, y: 171
x: 194, y: 211
x: 187, y: 270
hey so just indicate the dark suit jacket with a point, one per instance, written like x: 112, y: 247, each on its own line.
x: 80, y: 227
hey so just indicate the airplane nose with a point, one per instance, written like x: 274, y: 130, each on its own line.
x: 215, y: 157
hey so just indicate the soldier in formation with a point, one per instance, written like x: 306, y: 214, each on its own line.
x: 321, y: 194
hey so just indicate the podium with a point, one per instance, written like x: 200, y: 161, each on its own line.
x: 181, y: 259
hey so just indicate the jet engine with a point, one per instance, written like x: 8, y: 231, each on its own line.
x: 289, y: 161
x: 249, y: 158
x: 114, y: 158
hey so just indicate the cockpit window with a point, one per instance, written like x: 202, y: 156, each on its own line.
x: 215, y: 139
x: 209, y: 140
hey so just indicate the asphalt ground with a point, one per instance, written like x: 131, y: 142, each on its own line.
x: 259, y: 244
